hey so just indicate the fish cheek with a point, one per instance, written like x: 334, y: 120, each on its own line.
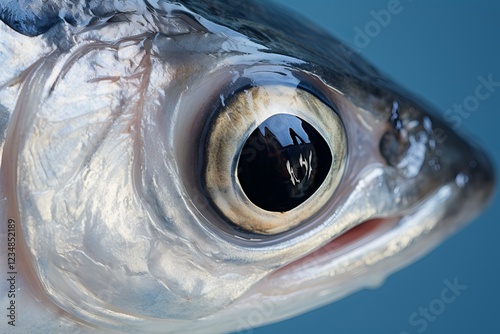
x: 86, y: 230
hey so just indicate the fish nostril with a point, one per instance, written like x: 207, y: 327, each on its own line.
x: 394, y: 143
x: 392, y: 147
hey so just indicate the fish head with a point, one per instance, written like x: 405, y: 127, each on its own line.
x: 136, y: 163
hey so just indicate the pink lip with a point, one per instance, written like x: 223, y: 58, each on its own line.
x: 364, y: 231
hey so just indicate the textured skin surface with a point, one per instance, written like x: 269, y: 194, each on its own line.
x: 117, y: 234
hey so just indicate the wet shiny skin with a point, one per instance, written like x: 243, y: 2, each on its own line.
x: 104, y: 187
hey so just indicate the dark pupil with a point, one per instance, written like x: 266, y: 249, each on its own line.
x: 283, y: 162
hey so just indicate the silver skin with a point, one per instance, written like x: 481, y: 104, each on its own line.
x: 102, y: 120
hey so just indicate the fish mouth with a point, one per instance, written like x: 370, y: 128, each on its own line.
x: 357, y: 236
x: 370, y: 250
x: 391, y: 243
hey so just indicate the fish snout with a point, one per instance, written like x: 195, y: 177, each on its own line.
x: 428, y: 155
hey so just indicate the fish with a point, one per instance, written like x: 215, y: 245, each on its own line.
x: 126, y: 212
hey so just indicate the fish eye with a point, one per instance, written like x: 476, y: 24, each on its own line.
x: 274, y: 156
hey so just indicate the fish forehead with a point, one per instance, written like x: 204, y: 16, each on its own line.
x: 172, y: 251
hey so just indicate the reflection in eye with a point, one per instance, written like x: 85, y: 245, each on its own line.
x: 283, y: 163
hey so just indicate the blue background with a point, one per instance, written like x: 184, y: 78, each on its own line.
x: 436, y: 49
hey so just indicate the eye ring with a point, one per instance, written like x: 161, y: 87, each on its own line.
x: 231, y: 128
